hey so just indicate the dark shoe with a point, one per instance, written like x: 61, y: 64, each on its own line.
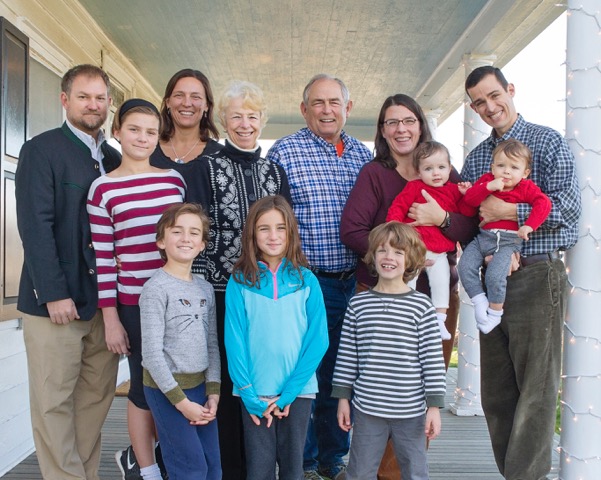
x: 334, y: 473
x: 312, y: 475
x: 126, y: 461
x: 159, y: 458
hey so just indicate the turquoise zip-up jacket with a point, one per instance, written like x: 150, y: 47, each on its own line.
x: 275, y: 336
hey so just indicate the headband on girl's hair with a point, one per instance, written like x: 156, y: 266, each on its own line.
x: 136, y: 102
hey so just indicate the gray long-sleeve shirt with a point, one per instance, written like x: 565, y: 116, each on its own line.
x: 390, y: 355
x: 179, y: 335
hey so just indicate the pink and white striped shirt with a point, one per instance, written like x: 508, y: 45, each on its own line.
x: 123, y: 214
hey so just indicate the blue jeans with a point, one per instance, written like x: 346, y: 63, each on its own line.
x: 327, y: 443
x: 189, y: 452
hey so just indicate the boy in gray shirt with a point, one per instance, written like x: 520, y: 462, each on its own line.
x: 180, y: 354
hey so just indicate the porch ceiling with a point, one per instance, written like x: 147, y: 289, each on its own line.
x: 377, y: 47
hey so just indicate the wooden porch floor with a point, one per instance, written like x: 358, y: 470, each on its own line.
x: 462, y: 452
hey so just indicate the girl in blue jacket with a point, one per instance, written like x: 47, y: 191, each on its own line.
x: 275, y: 336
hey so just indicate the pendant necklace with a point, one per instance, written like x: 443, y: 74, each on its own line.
x: 181, y: 159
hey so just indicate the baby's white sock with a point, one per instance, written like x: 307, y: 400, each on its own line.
x: 480, y: 303
x: 444, y: 333
x: 493, y: 318
x: 151, y: 472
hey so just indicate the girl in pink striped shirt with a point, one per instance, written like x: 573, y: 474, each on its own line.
x: 124, y: 207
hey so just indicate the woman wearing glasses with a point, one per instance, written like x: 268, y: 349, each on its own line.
x: 401, y: 127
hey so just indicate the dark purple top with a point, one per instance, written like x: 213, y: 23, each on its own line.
x: 375, y: 189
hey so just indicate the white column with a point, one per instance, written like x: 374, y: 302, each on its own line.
x: 581, y: 380
x: 474, y: 128
x: 467, y: 394
x: 432, y: 117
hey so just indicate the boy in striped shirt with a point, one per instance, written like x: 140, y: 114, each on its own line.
x: 390, y: 361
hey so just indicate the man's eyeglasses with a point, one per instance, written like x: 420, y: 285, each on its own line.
x: 394, y: 122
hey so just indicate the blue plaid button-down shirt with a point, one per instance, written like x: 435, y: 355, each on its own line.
x: 320, y: 183
x: 553, y: 170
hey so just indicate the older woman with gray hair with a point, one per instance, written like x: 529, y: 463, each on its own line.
x: 232, y: 180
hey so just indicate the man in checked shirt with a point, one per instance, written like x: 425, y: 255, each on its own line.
x: 521, y: 358
x: 322, y: 162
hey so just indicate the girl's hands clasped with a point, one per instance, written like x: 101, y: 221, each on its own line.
x: 270, y: 412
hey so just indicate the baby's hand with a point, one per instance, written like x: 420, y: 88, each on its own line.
x: 524, y: 231
x: 495, y: 185
x: 464, y: 187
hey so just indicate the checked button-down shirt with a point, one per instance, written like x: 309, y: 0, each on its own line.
x: 320, y: 183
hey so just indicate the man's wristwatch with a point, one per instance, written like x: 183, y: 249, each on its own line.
x: 446, y: 223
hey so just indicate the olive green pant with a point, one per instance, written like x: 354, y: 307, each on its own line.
x: 520, y: 369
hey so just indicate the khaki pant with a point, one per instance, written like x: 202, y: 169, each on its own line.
x: 72, y: 379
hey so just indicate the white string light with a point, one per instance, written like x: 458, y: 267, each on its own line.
x: 575, y: 413
x: 582, y: 345
x: 587, y: 338
x: 468, y: 394
x: 474, y: 132
x: 572, y: 10
x: 570, y: 457
x: 588, y: 186
x: 574, y: 140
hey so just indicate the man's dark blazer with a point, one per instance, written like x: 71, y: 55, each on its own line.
x: 54, y: 174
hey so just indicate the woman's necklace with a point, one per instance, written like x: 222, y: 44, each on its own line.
x: 179, y: 159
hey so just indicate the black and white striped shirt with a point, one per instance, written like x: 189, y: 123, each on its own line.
x: 390, y: 355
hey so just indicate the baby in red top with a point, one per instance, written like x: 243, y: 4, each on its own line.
x: 508, y: 181
x: 432, y: 163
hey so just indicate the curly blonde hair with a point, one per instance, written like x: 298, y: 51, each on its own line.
x: 252, y: 98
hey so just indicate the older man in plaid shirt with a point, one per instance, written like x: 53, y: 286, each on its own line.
x: 521, y: 358
x: 322, y: 163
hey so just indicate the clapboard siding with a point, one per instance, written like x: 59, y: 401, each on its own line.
x: 16, y: 441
